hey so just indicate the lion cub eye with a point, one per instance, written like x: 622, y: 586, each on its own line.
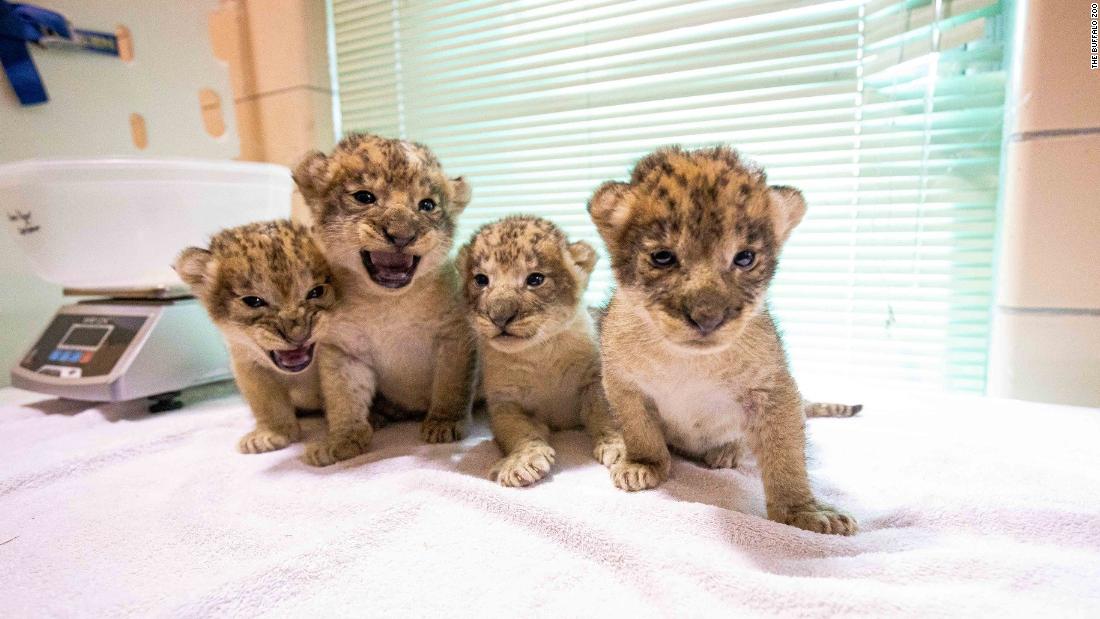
x: 253, y: 302
x: 662, y: 259
x: 315, y: 293
x: 427, y: 205
x: 364, y: 197
x: 535, y: 280
x: 482, y: 280
x: 744, y: 259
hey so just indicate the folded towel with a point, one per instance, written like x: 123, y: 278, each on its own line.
x: 967, y: 507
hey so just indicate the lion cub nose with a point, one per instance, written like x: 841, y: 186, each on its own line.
x: 502, y: 318
x: 706, y: 321
x: 297, y: 335
x: 400, y: 240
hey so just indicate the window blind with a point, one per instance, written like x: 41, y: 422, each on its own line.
x: 886, y: 113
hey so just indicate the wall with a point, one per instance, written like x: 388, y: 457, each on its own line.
x: 1046, y: 333
x: 262, y: 63
x: 278, y: 63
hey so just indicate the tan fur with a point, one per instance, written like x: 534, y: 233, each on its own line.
x: 830, y: 409
x: 691, y: 357
x: 546, y: 375
x: 278, y: 262
x: 411, y: 344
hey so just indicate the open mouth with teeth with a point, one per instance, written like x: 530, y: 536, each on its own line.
x: 390, y: 268
x: 293, y: 360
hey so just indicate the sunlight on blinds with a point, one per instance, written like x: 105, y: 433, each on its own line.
x: 886, y: 113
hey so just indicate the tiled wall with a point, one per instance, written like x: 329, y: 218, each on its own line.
x: 1046, y: 340
x: 278, y: 64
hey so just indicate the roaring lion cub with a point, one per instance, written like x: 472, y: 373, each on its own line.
x: 524, y: 283
x: 691, y: 357
x: 268, y: 289
x: 384, y: 214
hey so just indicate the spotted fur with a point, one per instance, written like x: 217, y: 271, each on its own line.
x: 830, y: 409
x: 399, y: 174
x: 277, y: 262
x: 508, y: 251
x: 690, y: 339
x: 539, y: 357
x: 409, y: 343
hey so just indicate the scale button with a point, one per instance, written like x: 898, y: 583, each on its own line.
x: 86, y: 357
x: 74, y: 355
x: 55, y: 355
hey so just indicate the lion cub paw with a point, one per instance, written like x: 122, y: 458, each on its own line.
x: 442, y: 430
x: 609, y: 450
x: 724, y: 456
x: 633, y: 476
x: 336, y: 447
x: 819, y: 519
x: 262, y: 440
x: 524, y: 466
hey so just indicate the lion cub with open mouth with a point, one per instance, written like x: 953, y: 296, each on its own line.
x: 524, y: 283
x: 268, y: 289
x: 691, y: 357
x: 384, y: 214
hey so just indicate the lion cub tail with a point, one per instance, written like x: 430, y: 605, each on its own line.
x: 830, y: 409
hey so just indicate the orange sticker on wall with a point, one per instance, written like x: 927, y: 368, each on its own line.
x: 125, y: 43
x: 212, y: 119
x: 138, y: 132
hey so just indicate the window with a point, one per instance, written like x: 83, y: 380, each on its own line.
x: 886, y: 113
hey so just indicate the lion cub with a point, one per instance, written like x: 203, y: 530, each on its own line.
x: 384, y: 215
x: 540, y: 366
x: 691, y: 357
x: 268, y: 289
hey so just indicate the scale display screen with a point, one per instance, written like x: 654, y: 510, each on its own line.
x: 85, y: 337
x: 82, y: 345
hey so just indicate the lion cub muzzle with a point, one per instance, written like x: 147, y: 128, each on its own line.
x: 707, y: 310
x: 502, y: 311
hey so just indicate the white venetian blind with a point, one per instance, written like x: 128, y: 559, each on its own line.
x: 886, y: 113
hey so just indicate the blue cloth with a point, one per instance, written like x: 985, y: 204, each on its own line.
x: 21, y: 24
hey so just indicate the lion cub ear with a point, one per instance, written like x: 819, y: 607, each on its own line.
x: 609, y: 208
x: 311, y: 176
x: 790, y: 207
x: 462, y: 261
x: 460, y: 193
x: 583, y: 255
x: 193, y: 267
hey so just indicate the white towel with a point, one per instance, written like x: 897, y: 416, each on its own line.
x: 967, y: 507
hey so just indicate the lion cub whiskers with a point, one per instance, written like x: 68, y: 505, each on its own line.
x: 523, y: 283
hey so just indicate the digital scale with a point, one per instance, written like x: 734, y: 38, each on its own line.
x: 110, y: 229
x: 115, y: 349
